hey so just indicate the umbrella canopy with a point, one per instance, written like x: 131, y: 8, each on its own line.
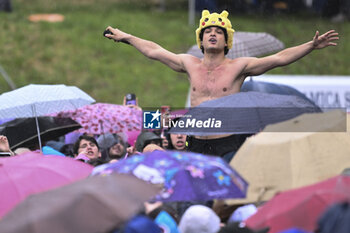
x: 277, y: 161
x: 331, y: 121
x: 247, y: 44
x: 184, y: 176
x: 93, y: 205
x: 273, y: 88
x: 32, y: 172
x: 300, y: 207
x: 40, y: 100
x: 101, y: 118
x: 22, y: 131
x: 241, y: 113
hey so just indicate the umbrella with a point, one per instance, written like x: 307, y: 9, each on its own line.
x: 300, y: 207
x: 39, y: 100
x: 331, y: 121
x: 101, y: 118
x: 32, y: 172
x: 241, y: 113
x: 22, y: 131
x: 184, y: 176
x: 93, y: 205
x: 273, y: 88
x: 277, y: 161
x: 247, y: 44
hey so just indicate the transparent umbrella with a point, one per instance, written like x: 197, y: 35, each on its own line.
x: 248, y: 44
x: 39, y: 100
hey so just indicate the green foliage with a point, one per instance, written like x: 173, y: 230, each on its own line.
x: 74, y: 52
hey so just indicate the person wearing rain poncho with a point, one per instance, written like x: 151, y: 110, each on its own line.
x: 214, y: 75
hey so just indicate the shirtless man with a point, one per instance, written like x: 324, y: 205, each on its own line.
x: 215, y: 75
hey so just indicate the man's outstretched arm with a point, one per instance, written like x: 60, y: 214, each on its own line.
x: 257, y: 66
x: 149, y: 49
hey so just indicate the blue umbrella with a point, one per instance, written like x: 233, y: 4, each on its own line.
x: 183, y: 176
x: 241, y: 113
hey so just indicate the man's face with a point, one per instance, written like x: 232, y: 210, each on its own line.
x: 88, y: 148
x: 214, y: 38
x: 116, y: 151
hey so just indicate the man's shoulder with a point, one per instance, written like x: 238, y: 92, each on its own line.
x: 190, y: 58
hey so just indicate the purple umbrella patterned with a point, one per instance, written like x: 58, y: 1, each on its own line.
x: 183, y: 176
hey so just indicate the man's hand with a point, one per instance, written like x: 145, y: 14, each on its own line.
x: 325, y: 40
x: 117, y: 35
x: 4, y: 144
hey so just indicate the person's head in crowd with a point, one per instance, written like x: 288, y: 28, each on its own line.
x: 68, y: 150
x: 163, y: 207
x: 146, y: 138
x: 165, y: 141
x: 176, y: 141
x: 112, y: 145
x: 199, y: 218
x: 87, y: 146
x: 140, y: 224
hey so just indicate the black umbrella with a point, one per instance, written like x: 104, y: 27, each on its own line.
x: 241, y: 113
x: 23, y: 131
x: 273, y: 88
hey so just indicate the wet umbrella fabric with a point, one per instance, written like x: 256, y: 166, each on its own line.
x: 242, y: 113
x: 101, y: 118
x: 275, y: 160
x: 301, y: 207
x: 32, y: 172
x: 39, y: 100
x: 184, y: 176
x: 36, y: 100
x: 22, y: 132
x: 247, y: 44
x: 93, y: 205
x: 272, y: 88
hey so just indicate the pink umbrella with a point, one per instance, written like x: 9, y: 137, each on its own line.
x: 300, y: 207
x: 104, y: 118
x: 32, y: 172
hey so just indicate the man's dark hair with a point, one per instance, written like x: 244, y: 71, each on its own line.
x: 226, y: 37
x: 87, y: 138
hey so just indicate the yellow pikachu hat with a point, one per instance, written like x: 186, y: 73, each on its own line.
x: 215, y: 19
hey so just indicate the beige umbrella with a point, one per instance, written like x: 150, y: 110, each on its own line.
x: 332, y: 121
x: 276, y: 161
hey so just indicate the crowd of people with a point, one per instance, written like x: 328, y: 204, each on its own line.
x: 212, y: 77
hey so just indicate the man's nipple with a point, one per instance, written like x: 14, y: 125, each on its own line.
x: 193, y: 89
x: 224, y: 89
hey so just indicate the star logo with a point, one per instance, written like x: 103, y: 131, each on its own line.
x: 151, y: 119
x: 155, y: 115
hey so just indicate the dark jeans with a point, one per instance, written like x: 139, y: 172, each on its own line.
x: 224, y: 147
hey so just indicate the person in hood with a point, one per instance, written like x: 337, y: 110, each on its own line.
x: 146, y: 138
x: 113, y: 146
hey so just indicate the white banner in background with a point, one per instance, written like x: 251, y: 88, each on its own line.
x: 325, y: 90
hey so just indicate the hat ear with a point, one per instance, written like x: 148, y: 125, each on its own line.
x: 224, y: 14
x: 205, y: 13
